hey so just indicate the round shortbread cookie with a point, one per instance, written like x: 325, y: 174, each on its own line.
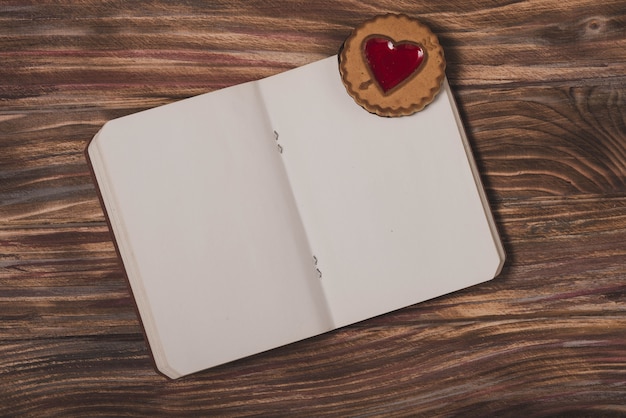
x: 392, y: 65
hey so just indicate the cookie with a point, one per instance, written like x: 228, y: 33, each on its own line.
x: 392, y: 65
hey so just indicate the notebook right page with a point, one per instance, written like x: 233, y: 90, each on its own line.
x: 390, y: 206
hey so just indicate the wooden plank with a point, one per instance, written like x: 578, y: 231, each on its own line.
x: 537, y: 141
x: 530, y: 142
x: 552, y: 324
x: 63, y: 281
x: 541, y: 88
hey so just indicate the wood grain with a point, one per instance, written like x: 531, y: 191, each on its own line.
x: 541, y: 86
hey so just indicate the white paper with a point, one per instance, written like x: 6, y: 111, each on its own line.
x: 390, y: 205
x: 219, y: 231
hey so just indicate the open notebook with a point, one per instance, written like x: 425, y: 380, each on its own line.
x: 275, y: 210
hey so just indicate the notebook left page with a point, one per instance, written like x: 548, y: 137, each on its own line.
x: 206, y: 225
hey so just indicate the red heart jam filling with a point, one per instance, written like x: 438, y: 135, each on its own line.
x: 391, y: 63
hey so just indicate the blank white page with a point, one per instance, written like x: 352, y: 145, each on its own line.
x: 206, y: 225
x: 390, y: 206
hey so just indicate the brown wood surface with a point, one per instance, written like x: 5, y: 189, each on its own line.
x: 541, y: 86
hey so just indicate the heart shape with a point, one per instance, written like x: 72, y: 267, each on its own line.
x: 391, y: 63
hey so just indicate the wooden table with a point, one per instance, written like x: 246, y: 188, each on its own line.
x: 542, y: 89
